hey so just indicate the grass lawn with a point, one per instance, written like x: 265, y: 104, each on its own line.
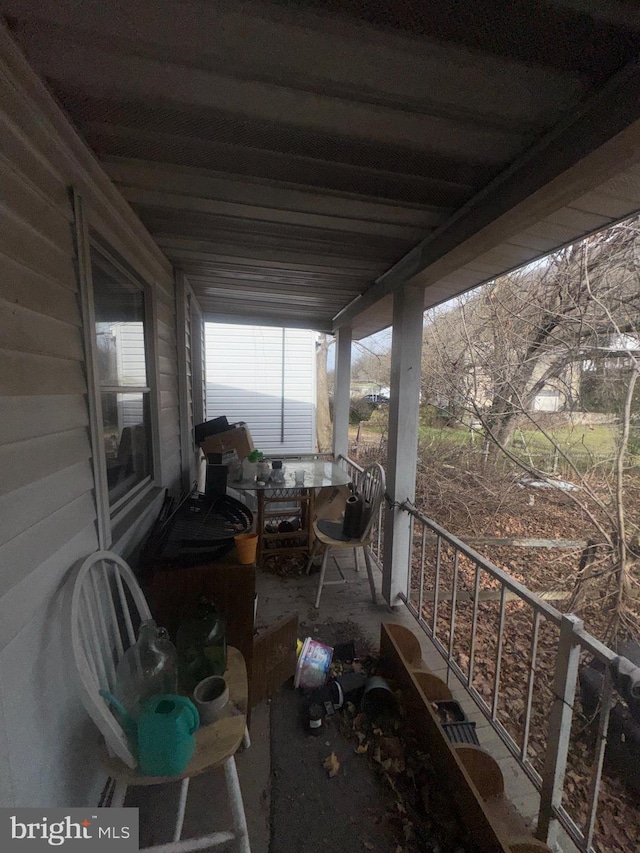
x: 450, y: 435
x: 598, y: 439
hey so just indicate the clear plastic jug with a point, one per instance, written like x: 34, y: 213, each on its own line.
x: 148, y: 668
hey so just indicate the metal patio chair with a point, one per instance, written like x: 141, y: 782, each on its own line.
x: 328, y: 535
x: 106, y: 608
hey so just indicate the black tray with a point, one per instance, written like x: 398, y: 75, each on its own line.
x: 461, y: 732
x: 202, y: 530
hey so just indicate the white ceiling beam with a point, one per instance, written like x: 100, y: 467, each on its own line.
x: 363, y: 269
x: 203, y: 184
x: 177, y: 204
x: 183, y: 247
x: 296, y: 171
x: 214, y: 314
x: 217, y: 280
x: 104, y: 72
x: 256, y: 39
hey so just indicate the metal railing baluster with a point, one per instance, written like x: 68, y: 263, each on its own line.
x: 496, y: 680
x: 454, y: 600
x: 436, y: 586
x: 421, y: 578
x: 530, y: 685
x: 410, y: 556
x: 601, y: 744
x: 474, y: 623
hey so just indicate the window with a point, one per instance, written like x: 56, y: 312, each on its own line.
x: 121, y: 364
x: 122, y: 372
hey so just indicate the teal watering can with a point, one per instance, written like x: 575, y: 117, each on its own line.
x: 164, y: 732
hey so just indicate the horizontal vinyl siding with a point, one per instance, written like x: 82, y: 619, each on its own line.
x: 245, y: 383
x: 47, y: 509
x: 48, y: 746
x: 39, y: 293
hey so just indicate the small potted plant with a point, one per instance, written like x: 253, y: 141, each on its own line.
x: 250, y: 465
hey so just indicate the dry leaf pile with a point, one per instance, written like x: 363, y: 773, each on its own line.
x: 422, y: 810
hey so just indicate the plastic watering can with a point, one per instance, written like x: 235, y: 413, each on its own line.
x: 164, y: 732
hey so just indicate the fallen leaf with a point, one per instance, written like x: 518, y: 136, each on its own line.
x: 360, y: 750
x: 368, y: 845
x: 392, y: 747
x: 331, y: 764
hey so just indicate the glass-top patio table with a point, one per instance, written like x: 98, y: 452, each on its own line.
x: 286, y: 509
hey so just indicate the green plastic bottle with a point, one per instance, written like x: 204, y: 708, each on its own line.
x: 202, y: 646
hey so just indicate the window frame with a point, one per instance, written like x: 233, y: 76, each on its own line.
x: 109, y: 516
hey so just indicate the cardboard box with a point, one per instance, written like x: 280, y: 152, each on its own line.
x: 237, y: 437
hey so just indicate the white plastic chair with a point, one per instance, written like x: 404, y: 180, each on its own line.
x: 107, y: 606
x: 371, y: 485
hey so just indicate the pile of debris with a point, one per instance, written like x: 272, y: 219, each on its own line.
x: 368, y: 711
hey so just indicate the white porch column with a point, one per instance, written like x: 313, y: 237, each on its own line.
x: 406, y: 353
x: 342, y: 392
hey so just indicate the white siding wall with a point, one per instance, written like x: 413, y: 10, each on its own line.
x: 245, y: 382
x: 47, y: 509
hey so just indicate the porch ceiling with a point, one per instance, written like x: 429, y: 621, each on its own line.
x: 301, y: 159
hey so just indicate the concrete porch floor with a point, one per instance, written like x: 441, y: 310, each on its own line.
x: 277, y: 597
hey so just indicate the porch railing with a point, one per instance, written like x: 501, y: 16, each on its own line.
x: 519, y: 659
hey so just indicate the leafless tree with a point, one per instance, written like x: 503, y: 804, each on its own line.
x: 488, y: 356
x: 372, y: 363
